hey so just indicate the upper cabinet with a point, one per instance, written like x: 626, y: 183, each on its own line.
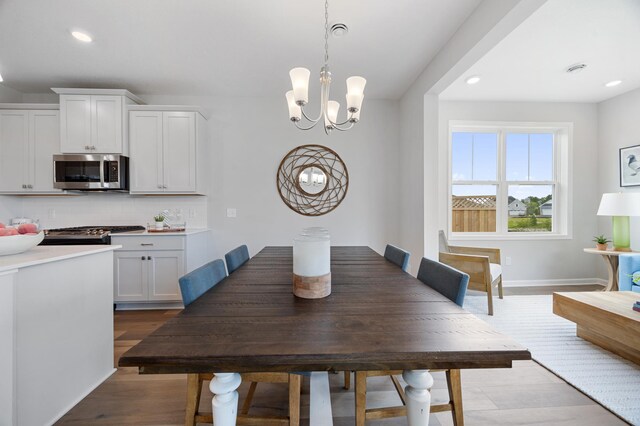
x: 167, y: 150
x: 94, y: 120
x: 28, y: 140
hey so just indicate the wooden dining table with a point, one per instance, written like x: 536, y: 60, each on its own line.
x: 377, y: 317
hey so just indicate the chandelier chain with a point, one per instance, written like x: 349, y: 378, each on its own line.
x: 326, y: 33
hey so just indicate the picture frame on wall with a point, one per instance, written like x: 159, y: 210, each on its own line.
x: 630, y: 166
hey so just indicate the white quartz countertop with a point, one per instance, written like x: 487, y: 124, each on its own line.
x: 188, y: 231
x: 45, y: 254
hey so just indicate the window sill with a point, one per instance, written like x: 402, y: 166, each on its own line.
x: 520, y: 237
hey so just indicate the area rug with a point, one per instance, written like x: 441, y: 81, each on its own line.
x: 607, y: 378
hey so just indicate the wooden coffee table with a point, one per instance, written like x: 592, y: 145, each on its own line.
x: 604, y: 318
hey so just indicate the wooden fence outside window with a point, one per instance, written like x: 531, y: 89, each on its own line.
x: 473, y: 213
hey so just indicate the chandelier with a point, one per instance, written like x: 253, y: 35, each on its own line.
x: 299, y: 96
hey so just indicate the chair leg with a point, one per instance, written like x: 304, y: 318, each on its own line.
x: 295, y: 383
x: 347, y: 380
x: 454, y: 384
x: 490, y: 299
x: 361, y: 397
x: 194, y: 389
x: 500, y: 293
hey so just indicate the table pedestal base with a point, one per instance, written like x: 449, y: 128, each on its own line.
x: 225, y: 398
x: 418, y: 395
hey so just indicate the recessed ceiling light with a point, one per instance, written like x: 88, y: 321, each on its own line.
x: 84, y: 37
x: 613, y: 83
x: 473, y: 79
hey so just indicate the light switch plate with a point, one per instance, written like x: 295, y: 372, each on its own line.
x: 231, y: 212
x: 508, y: 260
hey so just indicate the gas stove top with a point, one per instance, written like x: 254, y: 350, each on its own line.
x: 85, y: 234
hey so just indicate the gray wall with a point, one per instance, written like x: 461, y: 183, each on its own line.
x: 540, y: 259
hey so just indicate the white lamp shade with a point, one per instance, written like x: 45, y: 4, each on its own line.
x: 300, y: 83
x: 354, y: 101
x: 620, y: 204
x: 332, y: 112
x: 356, y: 115
x: 295, y: 112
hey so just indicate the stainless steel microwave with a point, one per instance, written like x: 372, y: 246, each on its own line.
x: 91, y: 172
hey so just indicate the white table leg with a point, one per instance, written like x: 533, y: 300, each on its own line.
x: 320, y: 400
x: 418, y: 395
x: 225, y: 398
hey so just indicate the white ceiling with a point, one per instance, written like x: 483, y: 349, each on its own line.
x: 224, y: 48
x: 530, y: 63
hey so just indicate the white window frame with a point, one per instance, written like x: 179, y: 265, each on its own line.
x: 562, y: 182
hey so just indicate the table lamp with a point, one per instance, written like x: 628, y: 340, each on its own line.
x: 620, y: 205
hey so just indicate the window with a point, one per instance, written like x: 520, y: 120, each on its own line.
x: 508, y: 180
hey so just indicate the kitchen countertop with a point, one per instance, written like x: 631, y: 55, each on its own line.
x: 45, y: 254
x: 188, y: 231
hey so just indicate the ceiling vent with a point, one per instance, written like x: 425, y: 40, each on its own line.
x: 576, y: 68
x: 339, y: 29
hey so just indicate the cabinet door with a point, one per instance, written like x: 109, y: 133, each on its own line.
x: 145, y: 146
x: 179, y: 146
x: 165, y: 268
x: 130, y: 276
x: 14, y: 149
x: 75, y: 123
x: 106, y: 124
x: 44, y: 138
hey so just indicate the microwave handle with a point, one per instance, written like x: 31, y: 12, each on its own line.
x: 103, y: 164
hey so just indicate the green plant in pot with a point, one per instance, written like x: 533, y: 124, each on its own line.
x: 601, y: 242
x: 159, y: 222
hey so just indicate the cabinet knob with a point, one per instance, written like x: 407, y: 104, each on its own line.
x: 86, y: 147
x: 164, y: 186
x: 159, y: 186
x: 30, y: 186
x: 24, y: 186
x: 93, y: 148
x: 142, y: 258
x: 148, y: 257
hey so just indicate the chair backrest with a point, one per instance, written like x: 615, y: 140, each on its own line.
x: 198, y: 281
x: 629, y: 265
x: 397, y: 256
x: 443, y: 243
x: 236, y: 258
x: 446, y: 280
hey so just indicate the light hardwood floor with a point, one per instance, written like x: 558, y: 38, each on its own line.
x: 527, y: 394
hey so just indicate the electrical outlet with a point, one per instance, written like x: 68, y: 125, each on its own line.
x: 231, y: 213
x: 192, y: 213
x: 508, y: 260
x: 52, y: 213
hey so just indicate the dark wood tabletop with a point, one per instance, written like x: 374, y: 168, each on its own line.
x: 376, y: 318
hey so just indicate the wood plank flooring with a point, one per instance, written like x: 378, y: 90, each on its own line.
x: 527, y: 394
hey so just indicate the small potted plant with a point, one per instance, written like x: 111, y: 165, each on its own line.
x: 159, y: 222
x: 601, y: 242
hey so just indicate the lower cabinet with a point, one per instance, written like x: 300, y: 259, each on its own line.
x: 147, y: 267
x: 142, y: 276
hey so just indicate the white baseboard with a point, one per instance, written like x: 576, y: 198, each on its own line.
x: 140, y: 306
x: 564, y: 281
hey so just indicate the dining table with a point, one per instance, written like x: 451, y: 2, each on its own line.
x: 377, y: 317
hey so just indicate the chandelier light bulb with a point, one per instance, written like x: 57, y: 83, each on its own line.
x: 332, y: 114
x: 295, y: 113
x: 300, y: 82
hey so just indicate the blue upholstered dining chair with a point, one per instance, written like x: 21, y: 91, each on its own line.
x: 397, y: 256
x: 236, y: 258
x: 197, y: 282
x: 629, y: 265
x: 452, y: 284
x: 192, y: 286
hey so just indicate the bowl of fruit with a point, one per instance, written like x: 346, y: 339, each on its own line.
x: 14, y: 240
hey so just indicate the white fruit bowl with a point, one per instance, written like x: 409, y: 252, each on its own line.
x: 15, y: 244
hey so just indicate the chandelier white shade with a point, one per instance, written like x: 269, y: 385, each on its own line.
x: 298, y: 97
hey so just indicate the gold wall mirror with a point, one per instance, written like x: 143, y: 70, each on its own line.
x: 312, y: 180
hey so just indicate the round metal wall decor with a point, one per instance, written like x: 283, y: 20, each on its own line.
x: 312, y: 180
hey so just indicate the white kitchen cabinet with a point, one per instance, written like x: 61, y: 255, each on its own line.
x: 94, y: 120
x: 147, y: 267
x: 167, y: 151
x: 28, y: 141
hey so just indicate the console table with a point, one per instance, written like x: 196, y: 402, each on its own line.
x: 611, y: 259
